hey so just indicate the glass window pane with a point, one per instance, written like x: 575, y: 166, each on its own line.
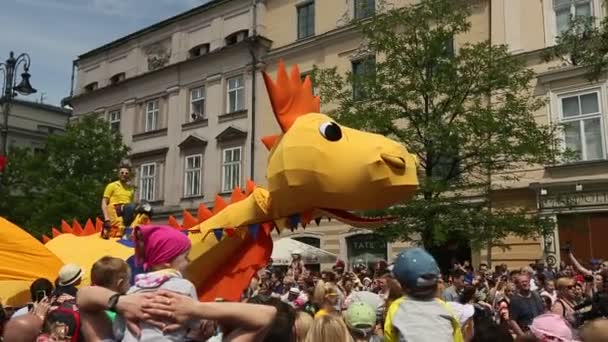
x: 572, y: 134
x: 570, y: 106
x: 561, y: 3
x: 589, y: 103
x: 593, y: 139
x: 583, y: 10
x: 237, y: 154
x: 562, y: 19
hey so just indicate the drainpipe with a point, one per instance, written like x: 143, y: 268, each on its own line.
x: 254, y: 62
x: 489, y: 253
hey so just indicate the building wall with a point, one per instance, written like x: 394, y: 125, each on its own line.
x: 31, y: 123
x: 178, y: 135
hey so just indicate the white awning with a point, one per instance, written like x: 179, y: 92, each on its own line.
x: 281, y: 253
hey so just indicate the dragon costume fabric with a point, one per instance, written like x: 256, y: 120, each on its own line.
x: 316, y: 168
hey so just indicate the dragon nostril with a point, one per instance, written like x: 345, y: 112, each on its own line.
x: 393, y: 161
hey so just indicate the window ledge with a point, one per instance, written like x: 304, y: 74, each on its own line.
x: 577, y: 165
x: 241, y: 114
x: 156, y: 203
x: 151, y: 134
x: 190, y: 198
x: 195, y: 124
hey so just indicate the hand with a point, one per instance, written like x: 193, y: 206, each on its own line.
x: 131, y: 308
x: 41, y: 308
x: 177, y: 308
x: 107, y: 227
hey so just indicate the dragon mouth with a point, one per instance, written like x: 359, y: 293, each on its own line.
x: 356, y: 221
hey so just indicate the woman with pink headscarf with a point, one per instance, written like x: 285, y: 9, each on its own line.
x: 163, y: 252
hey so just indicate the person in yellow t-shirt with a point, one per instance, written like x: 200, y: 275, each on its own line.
x: 117, y: 193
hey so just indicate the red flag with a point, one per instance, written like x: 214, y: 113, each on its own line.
x: 3, y: 162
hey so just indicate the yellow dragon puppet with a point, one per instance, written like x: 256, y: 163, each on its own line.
x: 316, y: 168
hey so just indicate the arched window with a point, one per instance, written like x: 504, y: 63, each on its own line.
x: 199, y: 50
x: 236, y: 37
x: 117, y: 78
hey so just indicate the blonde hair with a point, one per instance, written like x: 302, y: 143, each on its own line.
x: 303, y: 323
x: 322, y: 289
x: 563, y: 283
x: 328, y: 328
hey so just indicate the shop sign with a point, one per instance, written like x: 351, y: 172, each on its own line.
x: 576, y: 199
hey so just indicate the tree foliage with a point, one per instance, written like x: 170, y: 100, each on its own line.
x: 66, y: 180
x: 583, y: 43
x: 468, y: 116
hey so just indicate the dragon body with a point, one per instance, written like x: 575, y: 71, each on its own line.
x: 316, y: 168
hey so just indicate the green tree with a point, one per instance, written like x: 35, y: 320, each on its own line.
x: 468, y: 116
x: 583, y: 43
x: 66, y: 180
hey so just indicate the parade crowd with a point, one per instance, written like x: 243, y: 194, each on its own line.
x: 408, y: 299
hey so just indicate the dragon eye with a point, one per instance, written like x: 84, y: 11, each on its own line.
x: 330, y: 131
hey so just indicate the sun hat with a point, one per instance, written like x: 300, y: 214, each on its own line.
x: 360, y: 315
x: 69, y: 274
x: 552, y: 325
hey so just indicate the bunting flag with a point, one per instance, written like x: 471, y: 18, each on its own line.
x: 218, y: 233
x: 254, y: 229
x: 3, y: 161
x: 229, y: 232
x: 293, y: 221
x: 318, y: 221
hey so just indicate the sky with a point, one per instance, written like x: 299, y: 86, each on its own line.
x: 55, y: 32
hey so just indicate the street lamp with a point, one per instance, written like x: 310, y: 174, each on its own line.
x: 11, y: 88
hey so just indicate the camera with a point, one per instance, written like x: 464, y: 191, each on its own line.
x: 566, y: 248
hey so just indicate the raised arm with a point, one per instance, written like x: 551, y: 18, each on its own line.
x: 578, y: 266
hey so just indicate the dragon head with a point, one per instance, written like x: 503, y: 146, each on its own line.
x: 318, y: 161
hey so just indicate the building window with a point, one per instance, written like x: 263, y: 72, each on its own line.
x: 231, y: 168
x: 364, y: 8
x: 199, y: 50
x: 114, y: 118
x: 151, y: 115
x: 362, y: 70
x: 236, y: 37
x: 197, y: 103
x: 193, y: 174
x: 566, y: 9
x: 306, y: 20
x: 91, y: 87
x: 581, y: 117
x: 117, y: 78
x: 236, y: 94
x: 147, y: 182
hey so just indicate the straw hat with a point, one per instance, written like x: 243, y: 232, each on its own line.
x: 69, y: 274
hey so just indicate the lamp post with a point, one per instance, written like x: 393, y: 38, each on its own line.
x: 10, y: 89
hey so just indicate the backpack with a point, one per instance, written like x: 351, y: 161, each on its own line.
x: 63, y: 320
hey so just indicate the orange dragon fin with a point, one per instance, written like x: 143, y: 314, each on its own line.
x: 173, y: 222
x: 270, y: 141
x: 89, y: 228
x: 188, y: 221
x: 65, y: 227
x: 77, y: 228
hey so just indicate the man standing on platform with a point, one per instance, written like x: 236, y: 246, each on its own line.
x: 116, y: 194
